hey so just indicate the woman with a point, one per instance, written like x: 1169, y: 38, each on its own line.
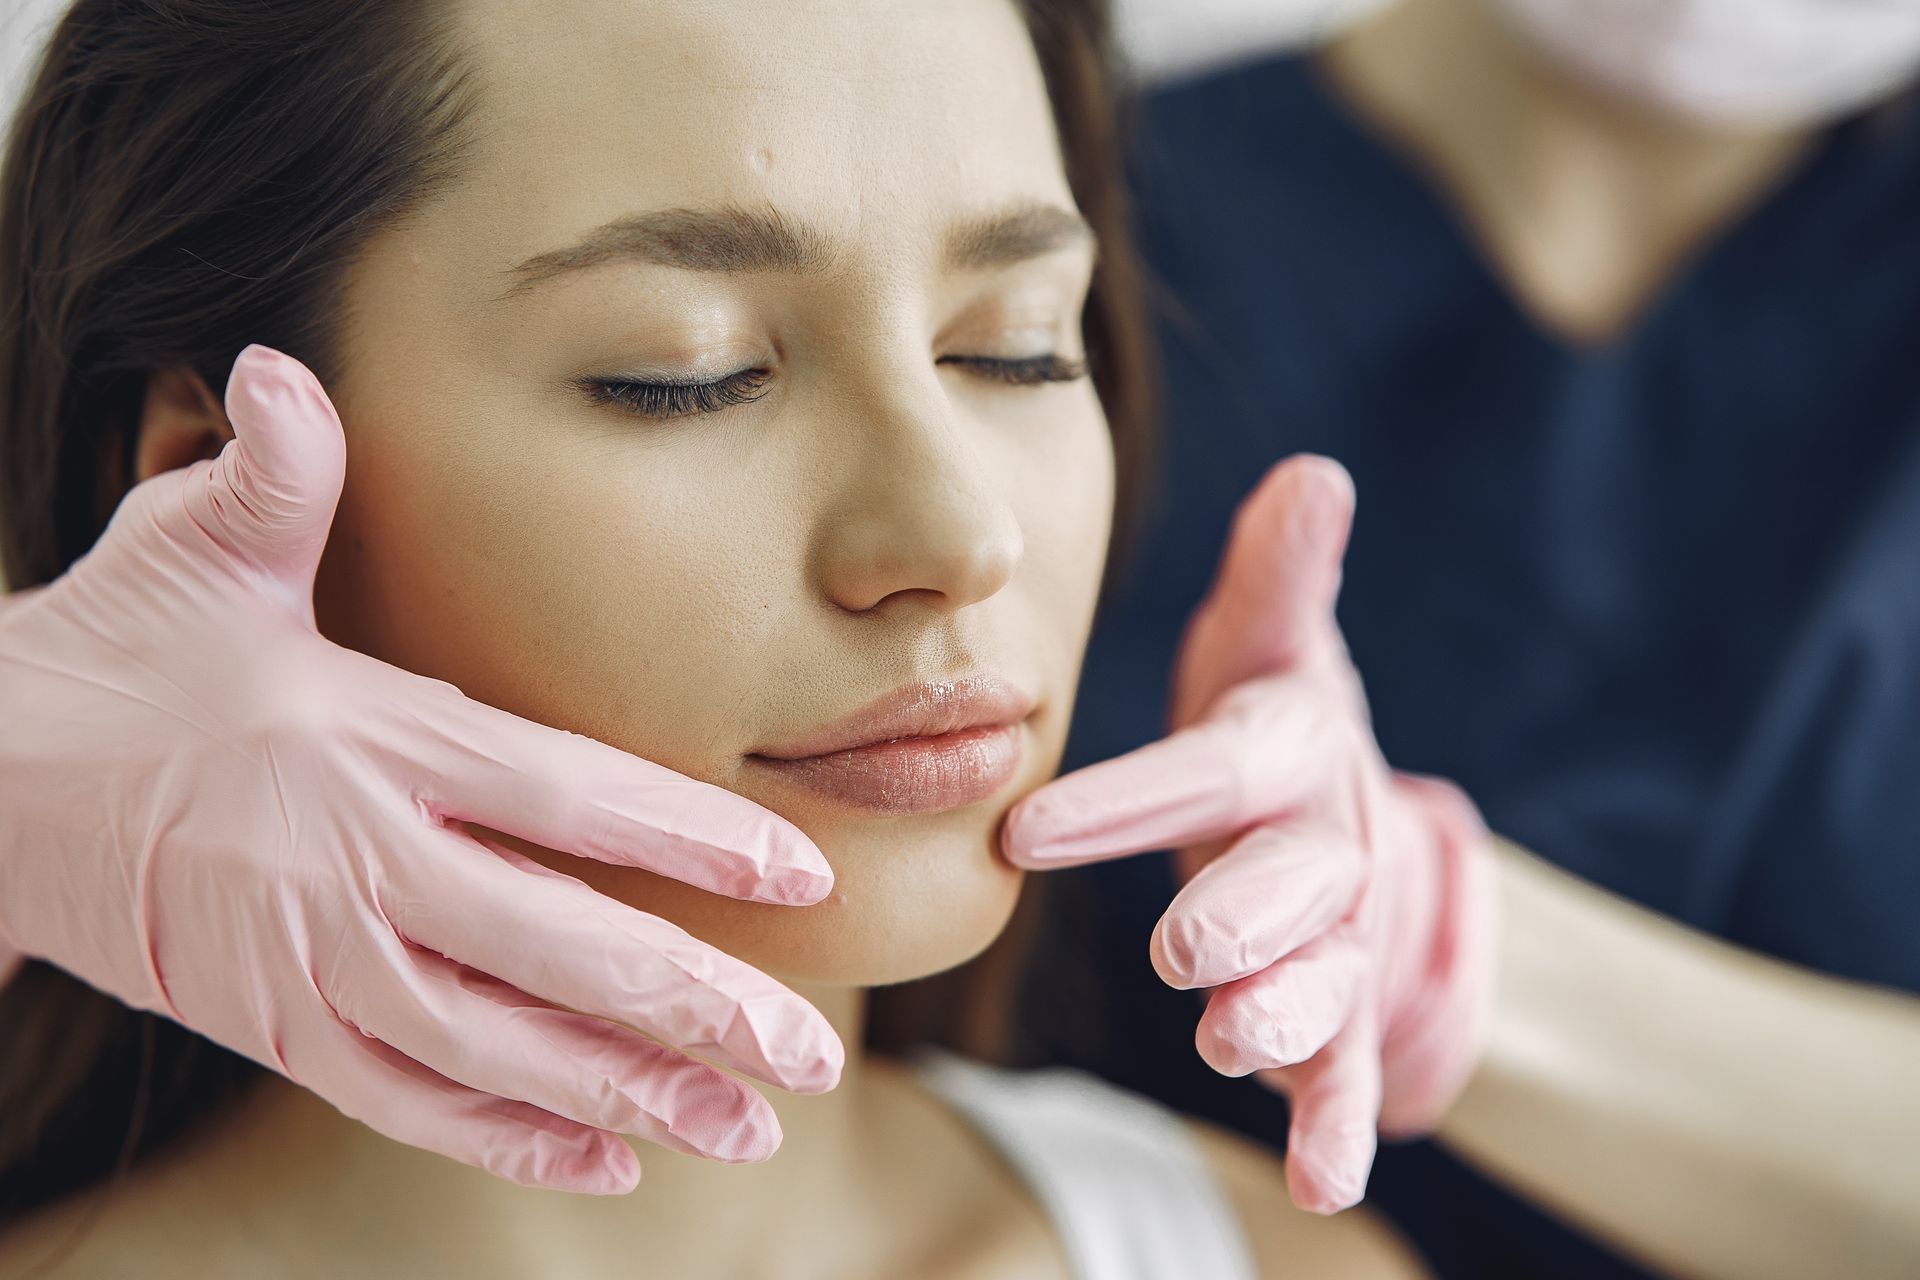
x: 791, y: 453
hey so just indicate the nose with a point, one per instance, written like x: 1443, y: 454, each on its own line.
x: 921, y: 510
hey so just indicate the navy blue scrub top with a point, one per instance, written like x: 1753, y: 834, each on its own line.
x: 1655, y: 604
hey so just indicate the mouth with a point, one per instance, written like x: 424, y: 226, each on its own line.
x: 923, y: 748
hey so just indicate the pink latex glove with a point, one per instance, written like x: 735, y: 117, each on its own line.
x: 210, y: 812
x: 1345, y: 923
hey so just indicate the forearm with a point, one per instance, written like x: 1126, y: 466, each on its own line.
x: 1708, y: 1110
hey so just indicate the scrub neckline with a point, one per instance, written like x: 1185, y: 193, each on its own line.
x: 1448, y: 221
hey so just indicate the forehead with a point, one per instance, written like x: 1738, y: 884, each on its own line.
x: 868, y: 118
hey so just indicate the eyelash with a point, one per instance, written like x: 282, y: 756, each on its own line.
x: 660, y: 398
x: 669, y: 399
x: 1030, y: 372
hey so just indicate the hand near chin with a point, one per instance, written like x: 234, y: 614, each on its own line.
x: 1338, y: 911
x: 211, y: 812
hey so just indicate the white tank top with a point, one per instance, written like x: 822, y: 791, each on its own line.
x: 1121, y: 1176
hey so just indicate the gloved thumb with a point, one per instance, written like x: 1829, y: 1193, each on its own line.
x: 271, y: 493
x: 1270, y: 608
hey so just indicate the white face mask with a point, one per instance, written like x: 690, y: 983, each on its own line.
x: 1734, y: 62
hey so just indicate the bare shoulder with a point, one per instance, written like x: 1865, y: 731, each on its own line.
x: 1289, y: 1242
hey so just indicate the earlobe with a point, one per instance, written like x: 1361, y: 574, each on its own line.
x: 180, y: 423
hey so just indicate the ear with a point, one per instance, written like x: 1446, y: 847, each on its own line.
x: 180, y: 422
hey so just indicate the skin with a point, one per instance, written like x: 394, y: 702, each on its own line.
x: 695, y: 589
x: 1585, y: 204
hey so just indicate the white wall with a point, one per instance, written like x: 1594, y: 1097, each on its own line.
x: 1174, y: 39
x: 23, y: 25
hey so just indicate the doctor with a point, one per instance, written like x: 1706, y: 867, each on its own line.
x: 1611, y: 308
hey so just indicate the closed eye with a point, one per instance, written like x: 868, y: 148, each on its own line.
x: 1026, y: 372
x: 676, y: 398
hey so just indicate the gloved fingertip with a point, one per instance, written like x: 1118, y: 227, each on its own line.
x: 1319, y: 493
x: 1057, y: 825
x: 591, y: 1163
x: 1322, y: 1190
x: 818, y: 1068
x: 1170, y: 949
x: 1323, y: 1203
x: 1237, y: 1043
x: 762, y: 1141
x: 621, y: 1173
x: 795, y: 886
x: 287, y: 461
x: 258, y: 355
x: 1026, y: 839
x: 1026, y: 856
x: 1227, y: 1056
x: 1329, y: 1175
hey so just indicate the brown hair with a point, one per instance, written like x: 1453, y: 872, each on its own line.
x: 185, y: 177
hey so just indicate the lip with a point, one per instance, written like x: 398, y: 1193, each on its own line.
x: 923, y: 748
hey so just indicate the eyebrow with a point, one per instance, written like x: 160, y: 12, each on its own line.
x: 734, y: 239
x: 1014, y: 234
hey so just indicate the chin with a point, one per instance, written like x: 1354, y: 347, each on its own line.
x: 912, y: 896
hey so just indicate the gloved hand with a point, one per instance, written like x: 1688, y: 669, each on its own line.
x: 210, y: 812
x: 1345, y: 924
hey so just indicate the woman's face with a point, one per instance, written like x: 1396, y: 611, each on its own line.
x: 851, y: 222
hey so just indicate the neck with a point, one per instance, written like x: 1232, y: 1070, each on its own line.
x: 1586, y: 204
x: 348, y: 1182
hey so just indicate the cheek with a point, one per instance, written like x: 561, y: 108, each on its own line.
x: 580, y: 584
x: 1067, y: 514
x: 1070, y: 486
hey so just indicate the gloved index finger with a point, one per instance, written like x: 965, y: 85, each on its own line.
x: 1209, y: 780
x: 578, y: 795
